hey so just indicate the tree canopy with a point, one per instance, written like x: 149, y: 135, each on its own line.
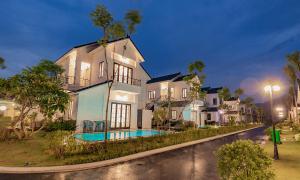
x: 2, y: 64
x: 36, y: 89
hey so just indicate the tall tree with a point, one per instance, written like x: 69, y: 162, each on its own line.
x: 2, y: 64
x: 132, y: 18
x: 249, y: 103
x: 111, y: 30
x: 238, y: 92
x: 35, y: 89
x: 290, y: 72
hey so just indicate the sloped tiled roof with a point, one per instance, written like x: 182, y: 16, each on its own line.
x: 163, y: 78
x: 180, y: 78
x: 210, y: 109
x: 210, y: 90
x: 232, y: 99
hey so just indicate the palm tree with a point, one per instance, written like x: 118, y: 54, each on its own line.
x: 2, y: 65
x: 238, y: 92
x: 224, y: 94
x: 290, y: 71
x: 249, y: 103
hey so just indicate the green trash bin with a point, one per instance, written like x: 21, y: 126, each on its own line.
x: 277, y: 135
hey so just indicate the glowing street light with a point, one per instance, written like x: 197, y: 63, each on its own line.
x: 270, y: 89
x: 279, y: 109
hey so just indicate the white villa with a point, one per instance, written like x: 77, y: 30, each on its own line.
x: 86, y: 80
x: 173, y: 85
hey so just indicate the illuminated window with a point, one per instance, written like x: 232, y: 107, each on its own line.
x: 71, y: 73
x: 122, y: 74
x: 151, y: 94
x: 174, y: 114
x: 184, y: 92
x: 85, y: 73
x: 172, y: 92
x: 101, y: 69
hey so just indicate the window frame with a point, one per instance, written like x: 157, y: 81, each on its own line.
x: 101, y: 69
x: 173, y: 114
x: 151, y: 94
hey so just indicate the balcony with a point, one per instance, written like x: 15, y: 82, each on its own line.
x: 126, y: 80
x: 72, y: 83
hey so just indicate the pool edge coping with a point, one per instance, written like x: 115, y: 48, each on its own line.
x: 99, y: 164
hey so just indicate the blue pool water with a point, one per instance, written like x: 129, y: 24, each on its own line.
x: 117, y: 135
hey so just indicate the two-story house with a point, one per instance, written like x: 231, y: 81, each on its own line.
x: 232, y: 111
x: 86, y: 73
x: 173, y: 87
x: 212, y: 114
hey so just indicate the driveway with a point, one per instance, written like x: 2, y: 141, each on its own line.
x: 194, y: 162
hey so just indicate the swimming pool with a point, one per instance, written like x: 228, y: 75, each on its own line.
x: 117, y: 135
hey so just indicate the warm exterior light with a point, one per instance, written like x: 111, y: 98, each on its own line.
x: 276, y: 88
x: 221, y: 112
x: 267, y: 88
x: 121, y: 98
x: 279, y: 109
x: 3, y: 108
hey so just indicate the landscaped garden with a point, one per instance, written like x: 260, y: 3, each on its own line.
x: 51, y: 147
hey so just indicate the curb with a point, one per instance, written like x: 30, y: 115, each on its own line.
x: 93, y: 165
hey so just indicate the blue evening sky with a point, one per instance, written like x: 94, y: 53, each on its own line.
x: 240, y: 41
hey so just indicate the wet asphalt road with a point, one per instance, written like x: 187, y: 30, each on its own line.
x: 194, y: 162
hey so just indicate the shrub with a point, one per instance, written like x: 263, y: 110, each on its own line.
x: 189, y: 124
x: 68, y: 125
x: 61, y: 142
x: 4, y: 134
x: 243, y: 160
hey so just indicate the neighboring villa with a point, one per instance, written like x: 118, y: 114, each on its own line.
x: 86, y: 80
x: 212, y: 113
x: 173, y: 86
x: 233, y: 111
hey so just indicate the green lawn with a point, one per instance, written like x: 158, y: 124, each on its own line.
x: 32, y: 151
x: 288, y: 166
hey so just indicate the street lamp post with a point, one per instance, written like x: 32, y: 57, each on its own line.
x: 270, y: 89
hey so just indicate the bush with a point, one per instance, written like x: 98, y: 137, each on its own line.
x: 68, y: 125
x: 189, y: 124
x: 243, y: 160
x: 4, y: 134
x: 60, y: 142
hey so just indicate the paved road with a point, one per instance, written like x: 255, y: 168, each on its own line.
x: 195, y: 162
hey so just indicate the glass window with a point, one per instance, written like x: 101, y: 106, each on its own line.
x: 151, y: 94
x: 122, y: 74
x: 215, y: 101
x: 172, y: 92
x: 209, y: 116
x: 174, y: 114
x: 101, y: 69
x: 184, y: 92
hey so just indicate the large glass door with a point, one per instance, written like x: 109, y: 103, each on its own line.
x: 120, y: 116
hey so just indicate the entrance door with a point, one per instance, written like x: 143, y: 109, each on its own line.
x: 120, y: 116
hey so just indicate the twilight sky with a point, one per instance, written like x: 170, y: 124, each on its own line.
x: 241, y: 41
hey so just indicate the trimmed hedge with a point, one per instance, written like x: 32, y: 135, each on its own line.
x: 75, y: 153
x: 68, y: 125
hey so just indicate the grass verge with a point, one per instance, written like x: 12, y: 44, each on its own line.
x: 288, y: 166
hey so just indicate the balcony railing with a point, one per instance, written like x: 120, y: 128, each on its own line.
x: 73, y: 83
x: 126, y: 80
